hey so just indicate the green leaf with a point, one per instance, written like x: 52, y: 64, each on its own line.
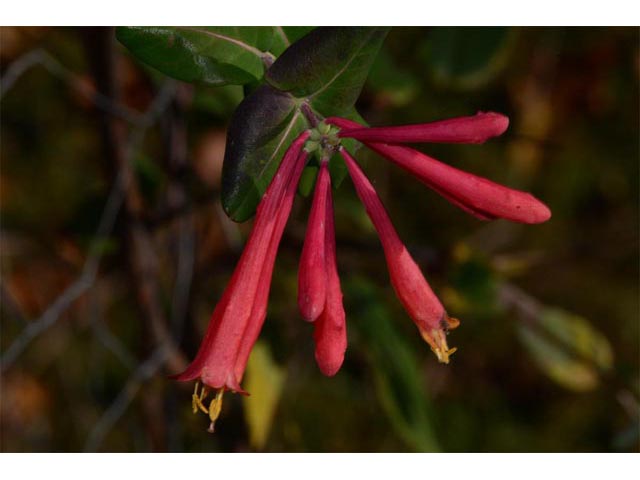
x: 335, y: 62
x: 395, y: 368
x: 466, y: 57
x: 264, y: 379
x: 261, y: 129
x: 211, y: 55
x: 568, y: 349
x: 307, y: 180
x: 218, y: 101
x: 328, y: 66
x: 285, y: 36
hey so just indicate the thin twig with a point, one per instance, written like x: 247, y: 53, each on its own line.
x: 184, y: 229
x: 142, y: 259
x: 107, y: 222
x: 142, y: 374
x: 77, y: 288
x: 108, y: 339
x: 40, y: 57
x: 18, y: 68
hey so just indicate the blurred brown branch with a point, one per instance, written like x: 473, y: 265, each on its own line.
x: 143, y: 373
x: 86, y: 279
x: 142, y: 257
x: 40, y: 57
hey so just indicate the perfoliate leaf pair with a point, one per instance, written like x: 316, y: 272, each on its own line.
x: 323, y: 71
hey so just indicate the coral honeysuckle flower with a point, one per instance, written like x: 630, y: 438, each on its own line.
x: 238, y: 317
x: 474, y: 129
x: 312, y: 277
x: 480, y: 197
x: 319, y: 292
x: 410, y: 285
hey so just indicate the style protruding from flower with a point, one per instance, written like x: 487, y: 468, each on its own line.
x: 238, y: 318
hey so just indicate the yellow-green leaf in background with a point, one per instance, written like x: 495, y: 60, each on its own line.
x: 567, y: 348
x: 264, y: 380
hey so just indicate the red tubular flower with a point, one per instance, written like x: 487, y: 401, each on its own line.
x: 312, y: 277
x: 473, y: 129
x: 410, y: 285
x: 330, y: 332
x: 238, y: 317
x: 476, y: 195
x: 259, y: 311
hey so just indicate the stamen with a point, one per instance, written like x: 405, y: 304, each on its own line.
x: 198, y: 398
x: 437, y: 340
x: 194, y: 399
x: 214, y: 409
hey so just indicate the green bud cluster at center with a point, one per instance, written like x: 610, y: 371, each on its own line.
x: 323, y: 140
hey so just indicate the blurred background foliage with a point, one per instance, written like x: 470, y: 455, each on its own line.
x: 115, y: 250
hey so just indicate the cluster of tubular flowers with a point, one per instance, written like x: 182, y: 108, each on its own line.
x: 238, y: 317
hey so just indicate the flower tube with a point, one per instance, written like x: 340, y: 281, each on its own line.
x: 238, y: 317
x: 330, y: 334
x: 408, y: 282
x: 312, y: 276
x: 472, y: 129
x: 476, y: 195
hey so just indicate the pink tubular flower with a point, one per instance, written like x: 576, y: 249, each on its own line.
x: 476, y: 195
x: 474, y: 129
x: 410, y: 285
x: 330, y: 332
x: 312, y: 278
x: 238, y: 317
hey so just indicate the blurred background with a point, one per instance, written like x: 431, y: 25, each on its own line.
x: 115, y: 250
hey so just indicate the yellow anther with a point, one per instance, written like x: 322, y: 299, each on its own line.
x: 194, y: 399
x: 214, y: 409
x: 437, y: 340
x: 197, y: 399
x: 443, y: 356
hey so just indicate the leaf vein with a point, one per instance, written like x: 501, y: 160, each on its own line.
x: 341, y: 71
x: 257, y: 52
x: 292, y: 122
